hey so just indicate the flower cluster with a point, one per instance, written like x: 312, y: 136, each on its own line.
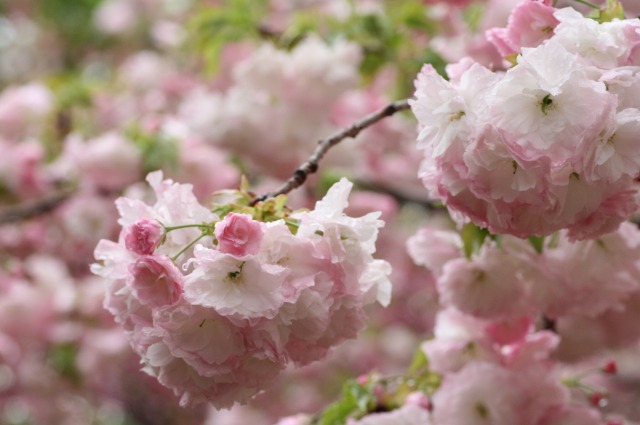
x: 546, y: 145
x: 508, y: 279
x: 217, y: 303
x: 516, y: 312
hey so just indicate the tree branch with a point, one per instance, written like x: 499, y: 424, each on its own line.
x: 32, y: 209
x: 311, y: 165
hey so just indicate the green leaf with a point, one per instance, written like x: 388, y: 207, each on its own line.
x: 537, y: 242
x: 472, y: 238
x: 72, y: 23
x: 472, y: 15
x: 357, y: 400
x: 213, y: 27
x: 62, y: 358
x: 412, y: 15
x: 327, y: 179
x: 158, y: 151
x: 613, y: 10
x: 419, y: 362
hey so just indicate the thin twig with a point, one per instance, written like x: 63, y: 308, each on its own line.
x: 32, y: 209
x: 311, y: 165
x: 400, y: 197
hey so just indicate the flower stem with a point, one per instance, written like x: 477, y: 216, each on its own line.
x: 185, y: 226
x: 587, y: 3
x: 182, y: 251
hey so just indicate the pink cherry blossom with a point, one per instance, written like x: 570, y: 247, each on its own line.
x: 530, y: 23
x: 143, y: 236
x: 480, y: 393
x: 235, y: 286
x: 409, y: 414
x: 486, y: 287
x: 155, y: 281
x: 239, y: 235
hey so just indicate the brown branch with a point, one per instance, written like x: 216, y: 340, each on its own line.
x: 32, y: 209
x: 400, y: 197
x: 311, y: 165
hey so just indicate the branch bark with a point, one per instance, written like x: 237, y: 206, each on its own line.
x: 311, y: 165
x: 32, y: 209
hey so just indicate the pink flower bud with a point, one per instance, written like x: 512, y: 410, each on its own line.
x: 362, y: 380
x: 239, y: 235
x: 598, y: 399
x: 610, y: 367
x: 155, y: 281
x: 420, y: 399
x: 509, y: 331
x: 143, y: 236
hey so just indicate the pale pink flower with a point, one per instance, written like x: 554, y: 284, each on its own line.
x: 479, y: 394
x: 235, y: 286
x: 409, y: 414
x: 495, y: 173
x: 143, y: 236
x: 145, y: 70
x: 222, y: 390
x: 614, y: 155
x: 155, y: 281
x: 109, y: 161
x: 624, y: 82
x: 433, y: 248
x: 226, y: 329
x: 488, y: 286
x: 548, y: 105
x: 175, y: 205
x: 201, y: 338
x: 300, y: 419
x: 206, y: 167
x: 447, y: 113
x: 21, y: 168
x: 583, y: 336
x: 348, y: 240
x: 116, y: 17
x: 603, y: 45
x: 588, y: 277
x: 239, y: 235
x: 530, y: 23
x: 458, y: 340
x: 509, y: 331
x: 572, y: 415
x: 23, y: 110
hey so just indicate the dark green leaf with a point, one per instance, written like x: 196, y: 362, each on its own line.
x: 537, y: 242
x: 472, y: 237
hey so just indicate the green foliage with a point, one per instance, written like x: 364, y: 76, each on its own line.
x: 214, y: 27
x: 73, y: 24
x: 473, y: 237
x: 73, y: 99
x: 357, y: 400
x: 327, y: 179
x: 419, y: 362
x: 473, y: 15
x: 537, y: 242
x: 62, y: 358
x: 394, y: 37
x: 71, y: 91
x: 158, y: 151
x: 381, y: 394
x: 240, y: 201
x: 613, y: 10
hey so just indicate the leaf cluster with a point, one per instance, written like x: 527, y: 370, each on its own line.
x: 396, y: 36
